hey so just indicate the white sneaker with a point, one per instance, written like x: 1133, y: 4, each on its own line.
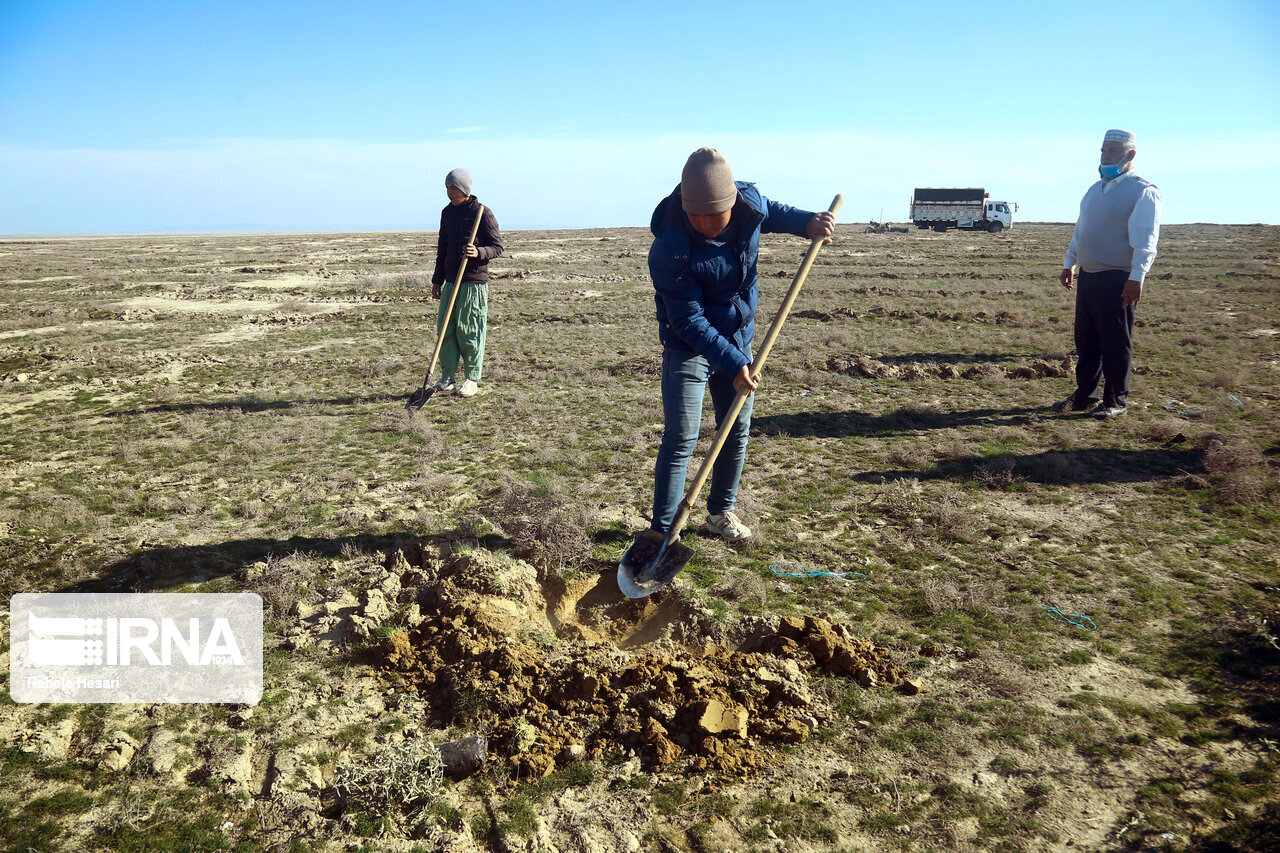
x: 445, y: 386
x: 469, y: 388
x: 729, y: 526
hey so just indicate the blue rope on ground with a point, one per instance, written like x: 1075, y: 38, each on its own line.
x: 1235, y: 401
x: 1070, y: 618
x: 811, y: 573
x: 1171, y: 406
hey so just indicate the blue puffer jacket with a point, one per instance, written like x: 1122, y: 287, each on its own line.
x: 706, y: 295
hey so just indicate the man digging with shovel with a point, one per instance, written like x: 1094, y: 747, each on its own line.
x: 463, y: 333
x: 703, y: 266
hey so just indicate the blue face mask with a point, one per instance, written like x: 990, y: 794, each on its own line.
x: 1110, y: 173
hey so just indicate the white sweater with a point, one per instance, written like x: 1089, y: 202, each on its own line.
x: 1118, y: 227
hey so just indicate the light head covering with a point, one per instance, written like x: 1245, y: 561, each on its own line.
x: 459, y: 178
x: 706, y: 184
x: 1125, y: 136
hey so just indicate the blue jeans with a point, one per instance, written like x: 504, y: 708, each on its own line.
x: 685, y: 378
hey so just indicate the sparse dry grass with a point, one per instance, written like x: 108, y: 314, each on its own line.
x: 902, y: 431
x: 1238, y: 471
x: 548, y: 528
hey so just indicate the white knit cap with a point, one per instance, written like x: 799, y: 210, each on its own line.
x: 1119, y: 136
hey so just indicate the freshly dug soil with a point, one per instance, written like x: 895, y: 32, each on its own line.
x: 615, y: 675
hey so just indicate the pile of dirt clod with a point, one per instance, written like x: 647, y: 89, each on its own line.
x: 557, y: 671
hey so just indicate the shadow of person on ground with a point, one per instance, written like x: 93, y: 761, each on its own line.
x: 908, y: 419
x: 252, y: 404
x: 163, y: 567
x: 1055, y: 467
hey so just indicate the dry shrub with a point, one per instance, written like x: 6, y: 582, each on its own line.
x: 907, y: 455
x: 430, y: 483
x: 969, y: 595
x: 951, y: 447
x: 1238, y: 471
x: 548, y: 529
x: 996, y: 474
x: 1164, y: 431
x: 280, y: 581
x: 1228, y: 377
x: 901, y: 500
x: 950, y: 521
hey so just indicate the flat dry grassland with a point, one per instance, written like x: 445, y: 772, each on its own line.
x: 224, y: 413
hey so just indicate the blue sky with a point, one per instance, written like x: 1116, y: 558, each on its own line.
x: 145, y: 117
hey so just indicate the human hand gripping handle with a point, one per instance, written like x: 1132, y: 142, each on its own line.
x: 821, y: 225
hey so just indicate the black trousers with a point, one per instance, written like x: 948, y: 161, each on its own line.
x: 1104, y: 338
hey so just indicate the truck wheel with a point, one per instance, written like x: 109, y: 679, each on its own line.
x: 941, y: 229
x: 996, y: 227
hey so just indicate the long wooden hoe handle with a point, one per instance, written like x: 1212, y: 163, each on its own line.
x: 691, y: 494
x: 453, y: 297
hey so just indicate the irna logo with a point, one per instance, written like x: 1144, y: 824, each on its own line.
x: 135, y: 647
x: 72, y: 641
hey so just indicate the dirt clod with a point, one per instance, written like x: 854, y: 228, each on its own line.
x: 552, y: 670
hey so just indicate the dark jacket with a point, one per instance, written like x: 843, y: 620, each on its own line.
x: 706, y: 295
x: 455, y: 228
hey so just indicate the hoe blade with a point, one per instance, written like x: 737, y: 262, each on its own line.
x: 650, y: 564
x: 419, y: 398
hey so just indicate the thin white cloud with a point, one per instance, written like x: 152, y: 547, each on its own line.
x: 582, y: 182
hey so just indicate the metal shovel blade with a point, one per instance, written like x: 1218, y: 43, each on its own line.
x: 419, y: 398
x: 650, y: 564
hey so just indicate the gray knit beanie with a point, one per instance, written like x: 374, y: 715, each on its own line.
x: 459, y: 178
x: 706, y: 184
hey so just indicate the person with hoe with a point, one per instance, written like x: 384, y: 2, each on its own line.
x: 1114, y: 244
x: 463, y: 333
x: 703, y: 266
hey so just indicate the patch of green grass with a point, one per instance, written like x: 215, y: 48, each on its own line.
x: 351, y: 736
x: 521, y: 816
x: 668, y: 798
x: 805, y: 819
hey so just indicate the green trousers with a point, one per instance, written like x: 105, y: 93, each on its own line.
x: 464, y: 338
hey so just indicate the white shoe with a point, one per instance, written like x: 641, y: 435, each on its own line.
x: 469, y: 388
x: 445, y: 386
x: 729, y: 526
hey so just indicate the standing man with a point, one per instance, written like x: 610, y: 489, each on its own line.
x: 1114, y: 244
x: 464, y: 336
x: 703, y: 266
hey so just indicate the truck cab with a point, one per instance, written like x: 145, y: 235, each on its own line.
x: 998, y: 217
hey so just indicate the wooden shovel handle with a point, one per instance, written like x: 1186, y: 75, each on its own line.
x: 453, y: 297
x: 722, y: 434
